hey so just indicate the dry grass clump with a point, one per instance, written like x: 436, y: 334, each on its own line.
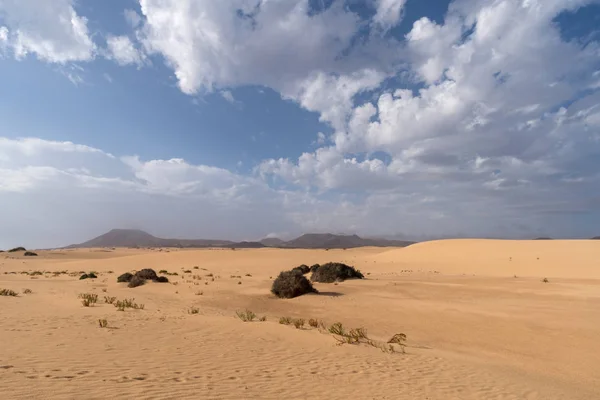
x: 8, y: 292
x: 545, y: 280
x: 298, y: 323
x: 30, y: 254
x: 335, y: 272
x: 121, y: 305
x: 88, y: 299
x: 399, y: 339
x: 193, y: 310
x: 27, y: 291
x: 285, y: 321
x: 91, y: 275
x: 246, y: 315
x: 290, y: 284
x: 109, y: 300
x: 313, y: 323
x: 103, y: 323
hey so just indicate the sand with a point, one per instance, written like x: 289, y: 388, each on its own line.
x: 480, y: 324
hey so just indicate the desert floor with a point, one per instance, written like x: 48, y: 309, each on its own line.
x: 480, y: 324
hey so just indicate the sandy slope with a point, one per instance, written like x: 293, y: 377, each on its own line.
x: 475, y: 331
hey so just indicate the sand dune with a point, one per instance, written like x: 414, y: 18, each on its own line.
x: 474, y: 330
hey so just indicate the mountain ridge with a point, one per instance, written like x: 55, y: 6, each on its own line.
x: 139, y: 238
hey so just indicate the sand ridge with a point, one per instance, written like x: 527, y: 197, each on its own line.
x: 475, y: 331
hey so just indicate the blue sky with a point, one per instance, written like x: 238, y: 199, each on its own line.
x: 246, y: 118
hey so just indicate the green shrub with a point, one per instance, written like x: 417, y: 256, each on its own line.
x: 332, y: 272
x: 290, y: 284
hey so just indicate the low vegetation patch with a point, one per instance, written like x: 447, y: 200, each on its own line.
x: 103, y: 323
x: 246, y: 316
x: 91, y: 275
x: 290, y: 284
x: 140, y: 277
x: 285, y: 321
x: 17, y: 249
x: 193, y: 310
x: 298, y: 323
x: 8, y: 292
x: 314, y: 267
x: 121, y: 305
x: 88, y: 299
x: 545, y: 280
x: 135, y: 282
x: 303, y: 269
x: 30, y: 254
x: 335, y: 272
x: 27, y: 291
x: 109, y: 299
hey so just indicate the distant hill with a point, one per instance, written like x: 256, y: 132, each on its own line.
x: 272, y: 242
x: 596, y: 238
x: 137, y: 238
x: 331, y: 241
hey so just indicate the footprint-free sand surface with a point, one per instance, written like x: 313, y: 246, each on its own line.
x: 480, y: 324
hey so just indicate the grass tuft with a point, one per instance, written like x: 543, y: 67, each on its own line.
x: 103, y: 323
x: 246, y: 316
x: 285, y: 321
x: 27, y: 291
x: 8, y: 292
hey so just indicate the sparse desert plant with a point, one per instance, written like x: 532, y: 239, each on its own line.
x: 246, y: 315
x: 36, y: 273
x: 30, y: 254
x: 103, y: 323
x: 298, y: 323
x: 332, y: 272
x: 196, y: 267
x: 248, y: 275
x: 399, y: 339
x: 545, y: 280
x: 104, y: 290
x: 109, y: 299
x: 8, y: 292
x: 313, y: 323
x: 337, y: 329
x: 27, y: 291
x: 303, y: 269
x: 163, y: 271
x: 199, y: 293
x: 263, y: 318
x: 239, y: 282
x: 210, y: 275
x: 89, y: 300
x: 193, y: 310
x: 162, y: 279
x: 285, y: 321
x: 135, y: 282
x: 17, y: 249
x: 187, y: 271
x: 290, y: 284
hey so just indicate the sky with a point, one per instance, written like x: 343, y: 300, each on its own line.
x: 245, y: 119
